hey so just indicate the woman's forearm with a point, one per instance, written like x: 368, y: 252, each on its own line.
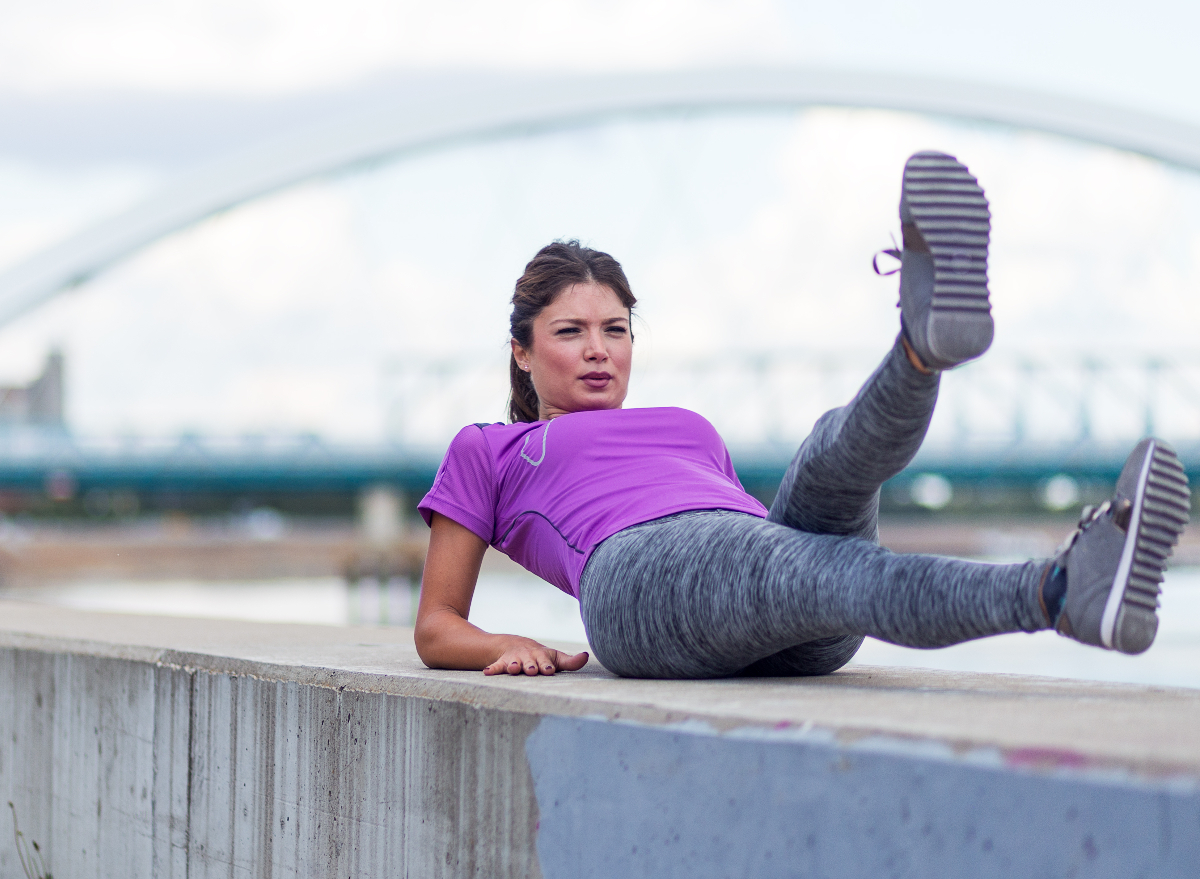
x: 443, y: 636
x: 445, y: 640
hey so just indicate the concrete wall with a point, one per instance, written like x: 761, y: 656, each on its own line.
x: 130, y: 759
x: 649, y: 802
x: 121, y: 768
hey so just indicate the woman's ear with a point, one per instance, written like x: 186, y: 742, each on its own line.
x: 520, y: 355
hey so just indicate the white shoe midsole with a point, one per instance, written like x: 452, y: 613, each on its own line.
x: 1109, y: 621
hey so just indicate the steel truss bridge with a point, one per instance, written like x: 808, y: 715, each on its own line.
x: 1007, y: 423
x: 1004, y: 428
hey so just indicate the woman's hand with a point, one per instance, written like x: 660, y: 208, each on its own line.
x: 526, y: 656
x: 445, y: 639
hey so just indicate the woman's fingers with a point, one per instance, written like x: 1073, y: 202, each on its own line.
x: 508, y: 663
x: 535, y: 660
x: 566, y: 662
x: 497, y: 667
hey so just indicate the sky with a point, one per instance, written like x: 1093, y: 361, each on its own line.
x: 1107, y: 50
x: 328, y: 307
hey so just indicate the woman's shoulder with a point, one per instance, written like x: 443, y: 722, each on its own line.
x: 492, y: 438
x: 498, y: 428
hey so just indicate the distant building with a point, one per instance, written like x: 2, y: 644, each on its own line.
x: 40, y: 402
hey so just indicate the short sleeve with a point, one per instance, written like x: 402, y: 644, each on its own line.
x: 465, y: 487
x: 729, y: 468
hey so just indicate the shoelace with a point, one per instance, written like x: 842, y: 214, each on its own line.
x: 1090, y: 514
x: 894, y: 253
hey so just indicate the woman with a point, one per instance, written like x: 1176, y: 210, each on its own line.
x: 680, y: 573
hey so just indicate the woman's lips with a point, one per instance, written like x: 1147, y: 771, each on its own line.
x: 596, y: 380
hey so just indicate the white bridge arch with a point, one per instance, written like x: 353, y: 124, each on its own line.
x: 496, y: 109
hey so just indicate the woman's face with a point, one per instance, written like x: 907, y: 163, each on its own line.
x: 581, y: 352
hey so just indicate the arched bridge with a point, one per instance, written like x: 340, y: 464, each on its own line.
x: 488, y: 108
x: 995, y: 448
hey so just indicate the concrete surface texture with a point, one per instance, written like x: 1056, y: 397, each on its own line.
x: 143, y: 746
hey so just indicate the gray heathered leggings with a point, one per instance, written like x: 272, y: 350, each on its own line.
x: 712, y: 593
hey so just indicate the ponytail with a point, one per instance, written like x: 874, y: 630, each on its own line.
x: 522, y: 398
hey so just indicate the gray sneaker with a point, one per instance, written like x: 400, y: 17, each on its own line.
x: 944, y: 309
x: 1114, y: 561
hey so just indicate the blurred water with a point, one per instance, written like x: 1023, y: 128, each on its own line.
x: 1173, y: 661
x: 504, y: 602
x: 523, y: 604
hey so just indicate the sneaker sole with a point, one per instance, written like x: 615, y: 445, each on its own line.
x: 1160, y: 511
x: 948, y: 206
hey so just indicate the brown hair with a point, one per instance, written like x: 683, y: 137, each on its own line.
x: 555, y: 267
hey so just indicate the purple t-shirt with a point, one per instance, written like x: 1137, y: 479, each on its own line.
x: 547, y: 493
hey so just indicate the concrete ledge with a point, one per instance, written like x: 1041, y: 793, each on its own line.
x: 142, y: 746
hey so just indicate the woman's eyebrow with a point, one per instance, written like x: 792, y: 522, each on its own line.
x: 584, y: 320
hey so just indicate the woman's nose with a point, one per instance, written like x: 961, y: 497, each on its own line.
x: 596, y: 349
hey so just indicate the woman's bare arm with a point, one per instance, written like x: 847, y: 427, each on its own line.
x: 444, y: 637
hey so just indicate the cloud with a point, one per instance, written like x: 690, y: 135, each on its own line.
x: 271, y: 46
x: 375, y: 303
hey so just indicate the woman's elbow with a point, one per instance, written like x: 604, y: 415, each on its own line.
x: 423, y: 639
x: 430, y: 637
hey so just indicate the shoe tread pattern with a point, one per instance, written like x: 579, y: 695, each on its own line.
x: 1165, y: 512
x: 951, y: 212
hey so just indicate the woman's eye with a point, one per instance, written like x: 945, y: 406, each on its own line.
x: 567, y: 331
